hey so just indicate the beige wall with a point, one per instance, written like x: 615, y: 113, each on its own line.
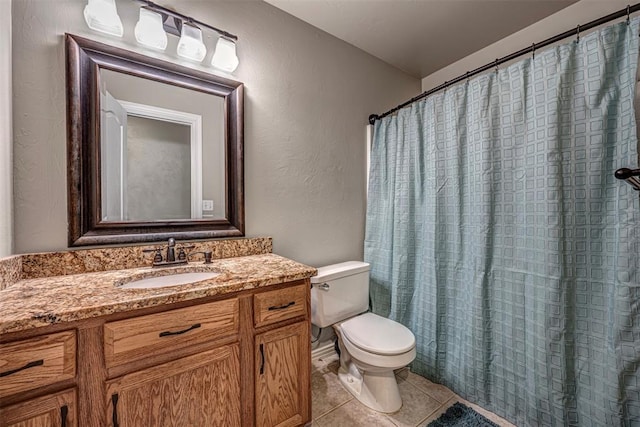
x: 578, y: 13
x: 6, y: 208
x: 158, y: 170
x: 307, y: 99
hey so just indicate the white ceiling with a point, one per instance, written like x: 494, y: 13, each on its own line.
x: 420, y: 36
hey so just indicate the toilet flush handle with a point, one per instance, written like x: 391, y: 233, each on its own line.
x: 324, y: 286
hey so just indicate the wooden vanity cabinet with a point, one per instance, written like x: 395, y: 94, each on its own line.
x: 205, y: 388
x: 237, y: 360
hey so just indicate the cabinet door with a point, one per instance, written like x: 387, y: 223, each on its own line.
x: 199, y: 390
x: 283, y: 364
x: 55, y: 410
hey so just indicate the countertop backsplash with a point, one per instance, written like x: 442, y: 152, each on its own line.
x: 47, y: 264
x: 10, y: 271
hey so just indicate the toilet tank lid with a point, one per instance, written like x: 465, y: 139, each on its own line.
x: 335, y: 271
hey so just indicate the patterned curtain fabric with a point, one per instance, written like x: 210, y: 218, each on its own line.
x: 497, y: 233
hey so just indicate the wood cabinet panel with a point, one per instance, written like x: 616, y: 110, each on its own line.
x: 282, y: 391
x: 199, y: 365
x: 134, y: 339
x: 33, y: 363
x: 198, y: 390
x: 56, y: 410
x: 274, y: 306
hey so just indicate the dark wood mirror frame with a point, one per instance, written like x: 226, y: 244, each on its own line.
x: 84, y: 59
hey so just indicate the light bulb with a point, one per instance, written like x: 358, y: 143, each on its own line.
x: 102, y: 16
x: 225, y: 57
x: 149, y: 31
x: 190, y: 45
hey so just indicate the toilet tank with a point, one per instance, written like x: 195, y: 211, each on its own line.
x: 339, y: 291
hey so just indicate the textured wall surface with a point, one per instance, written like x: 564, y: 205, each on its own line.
x: 307, y: 99
x: 158, y: 170
x: 6, y: 210
x: 577, y: 14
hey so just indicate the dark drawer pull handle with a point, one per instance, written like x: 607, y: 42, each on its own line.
x: 63, y: 416
x: 27, y: 366
x: 281, y: 307
x: 114, y: 413
x: 184, y: 331
x: 261, y: 359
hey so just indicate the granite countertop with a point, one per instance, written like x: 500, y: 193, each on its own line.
x: 38, y: 302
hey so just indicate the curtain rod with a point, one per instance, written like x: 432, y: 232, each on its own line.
x: 575, y: 32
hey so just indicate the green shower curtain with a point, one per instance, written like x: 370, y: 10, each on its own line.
x: 497, y: 233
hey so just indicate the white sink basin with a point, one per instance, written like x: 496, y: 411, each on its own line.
x: 169, y: 280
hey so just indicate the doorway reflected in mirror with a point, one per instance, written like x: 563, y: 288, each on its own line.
x: 177, y: 138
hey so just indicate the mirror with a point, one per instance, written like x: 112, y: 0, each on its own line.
x: 155, y: 150
x: 159, y: 136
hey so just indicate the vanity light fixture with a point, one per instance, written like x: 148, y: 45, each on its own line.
x: 155, y: 22
x: 102, y: 16
x: 149, y: 31
x: 225, y: 57
x: 191, y: 45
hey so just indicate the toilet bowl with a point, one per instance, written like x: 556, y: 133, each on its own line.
x: 371, y: 346
x: 368, y: 360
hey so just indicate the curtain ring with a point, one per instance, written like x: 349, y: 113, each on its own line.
x: 467, y: 74
x: 533, y: 51
x: 496, y: 65
x: 628, y: 14
x: 578, y: 34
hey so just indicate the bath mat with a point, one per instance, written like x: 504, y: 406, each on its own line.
x: 460, y: 415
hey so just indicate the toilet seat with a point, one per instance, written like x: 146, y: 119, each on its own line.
x: 378, y: 335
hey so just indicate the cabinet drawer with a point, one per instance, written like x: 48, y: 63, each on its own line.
x: 33, y: 363
x: 57, y: 409
x: 134, y: 339
x: 274, y: 306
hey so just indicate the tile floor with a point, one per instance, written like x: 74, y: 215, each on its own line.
x: 423, y: 401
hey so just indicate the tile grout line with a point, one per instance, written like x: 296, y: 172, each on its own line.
x: 334, y: 408
x: 428, y: 416
x: 422, y: 388
x: 423, y: 392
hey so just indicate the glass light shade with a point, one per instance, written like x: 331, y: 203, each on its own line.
x: 149, y: 31
x: 190, y: 45
x: 225, y: 57
x: 102, y: 16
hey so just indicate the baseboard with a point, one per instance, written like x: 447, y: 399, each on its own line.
x: 323, y: 351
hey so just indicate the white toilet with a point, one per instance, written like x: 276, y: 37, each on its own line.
x: 371, y: 346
